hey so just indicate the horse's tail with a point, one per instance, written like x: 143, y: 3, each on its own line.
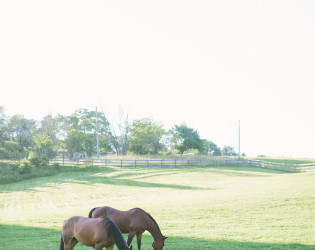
x: 114, y: 231
x: 62, y: 244
x: 91, y: 212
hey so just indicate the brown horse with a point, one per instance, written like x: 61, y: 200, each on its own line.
x: 97, y: 233
x: 134, y: 221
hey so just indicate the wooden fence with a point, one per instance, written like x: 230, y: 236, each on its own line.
x: 128, y: 163
x: 202, y: 162
x: 271, y: 165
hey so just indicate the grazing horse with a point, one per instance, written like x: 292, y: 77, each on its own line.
x: 98, y: 233
x: 134, y: 221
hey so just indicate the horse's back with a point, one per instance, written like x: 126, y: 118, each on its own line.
x: 139, y: 218
x: 88, y: 231
x: 134, y: 218
x: 70, y: 225
x: 101, y: 211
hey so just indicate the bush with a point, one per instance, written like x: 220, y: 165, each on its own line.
x: 56, y: 166
x: 27, y: 164
x: 39, y: 162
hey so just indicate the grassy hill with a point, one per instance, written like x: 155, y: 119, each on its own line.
x: 197, y: 208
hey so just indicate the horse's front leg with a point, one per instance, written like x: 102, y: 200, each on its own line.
x: 130, y: 237
x: 69, y: 245
x: 139, y: 236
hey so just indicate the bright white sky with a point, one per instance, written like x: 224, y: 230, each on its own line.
x: 208, y: 63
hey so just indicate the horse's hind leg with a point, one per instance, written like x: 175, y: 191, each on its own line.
x: 139, y: 236
x: 130, y: 237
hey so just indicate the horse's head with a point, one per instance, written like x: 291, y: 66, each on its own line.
x: 158, y: 244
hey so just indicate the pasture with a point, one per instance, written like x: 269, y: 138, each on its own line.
x: 196, y: 208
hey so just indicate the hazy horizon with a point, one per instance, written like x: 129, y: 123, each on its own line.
x: 206, y: 63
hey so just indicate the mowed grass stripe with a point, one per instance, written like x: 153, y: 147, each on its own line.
x: 197, y: 208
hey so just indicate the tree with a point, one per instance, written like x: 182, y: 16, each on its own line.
x: 104, y: 144
x: 212, y: 149
x: 43, y: 144
x: 22, y: 130
x: 50, y: 128
x: 119, y: 141
x: 228, y: 151
x: 3, y: 125
x: 10, y: 149
x: 73, y: 142
x: 80, y: 132
x: 185, y: 138
x: 145, y: 137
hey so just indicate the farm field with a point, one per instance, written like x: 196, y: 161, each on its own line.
x: 196, y: 208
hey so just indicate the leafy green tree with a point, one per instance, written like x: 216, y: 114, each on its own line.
x: 228, y: 151
x: 50, y: 126
x: 146, y: 136
x: 3, y: 125
x: 105, y: 144
x: 10, y: 149
x: 73, y: 142
x: 185, y: 138
x: 212, y: 149
x: 22, y: 130
x: 44, y: 145
x: 79, y: 133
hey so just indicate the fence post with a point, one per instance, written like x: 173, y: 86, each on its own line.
x: 175, y: 163
x: 63, y: 160
x: 135, y: 163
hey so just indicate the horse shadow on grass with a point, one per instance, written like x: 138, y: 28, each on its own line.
x: 33, y: 238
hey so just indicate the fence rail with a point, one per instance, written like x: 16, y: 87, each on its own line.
x: 270, y: 165
x: 128, y: 163
x: 202, y: 162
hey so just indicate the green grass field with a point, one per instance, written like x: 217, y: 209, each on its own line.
x: 197, y: 208
x: 286, y: 160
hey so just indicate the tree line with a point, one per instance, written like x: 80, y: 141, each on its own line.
x: 80, y: 131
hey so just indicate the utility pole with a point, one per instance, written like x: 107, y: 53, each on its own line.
x: 239, y: 139
x: 97, y: 142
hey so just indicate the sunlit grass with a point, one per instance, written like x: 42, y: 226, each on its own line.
x: 197, y: 208
x: 287, y: 160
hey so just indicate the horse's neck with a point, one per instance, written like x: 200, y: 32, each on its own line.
x: 153, y: 229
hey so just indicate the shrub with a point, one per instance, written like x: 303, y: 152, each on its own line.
x: 56, y: 166
x: 39, y: 162
x: 25, y: 166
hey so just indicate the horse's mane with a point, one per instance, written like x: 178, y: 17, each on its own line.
x: 150, y: 217
x: 114, y: 232
x: 91, y: 212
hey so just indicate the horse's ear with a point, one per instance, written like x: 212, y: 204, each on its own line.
x: 130, y: 247
x: 165, y: 238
